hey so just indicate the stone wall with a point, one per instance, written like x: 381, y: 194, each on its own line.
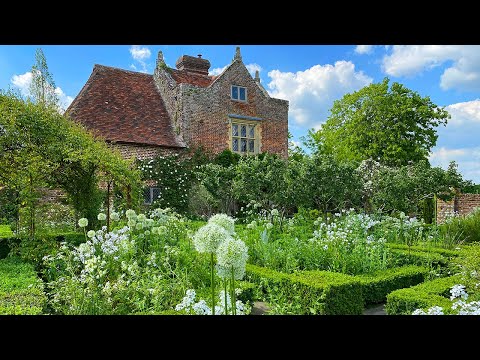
x: 462, y: 204
x: 142, y: 152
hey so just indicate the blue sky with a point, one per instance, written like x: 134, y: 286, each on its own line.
x: 311, y: 77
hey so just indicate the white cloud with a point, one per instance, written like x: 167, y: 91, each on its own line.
x: 464, y: 113
x: 364, y: 49
x: 216, y: 71
x: 462, y: 74
x: 468, y: 160
x: 252, y: 68
x: 140, y: 54
x: 311, y: 92
x: 23, y: 81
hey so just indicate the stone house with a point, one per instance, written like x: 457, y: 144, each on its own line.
x: 173, y: 109
x: 143, y: 115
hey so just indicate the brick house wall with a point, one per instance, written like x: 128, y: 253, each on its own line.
x: 201, y: 115
x: 463, y: 204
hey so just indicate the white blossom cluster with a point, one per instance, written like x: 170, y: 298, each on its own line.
x: 461, y: 307
x: 201, y: 307
x: 209, y: 237
x: 225, y: 221
x: 232, y: 255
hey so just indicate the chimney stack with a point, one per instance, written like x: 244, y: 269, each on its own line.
x: 192, y: 64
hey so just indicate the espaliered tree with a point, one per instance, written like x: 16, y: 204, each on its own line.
x: 390, y: 124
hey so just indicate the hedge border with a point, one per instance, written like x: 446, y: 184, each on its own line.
x: 422, y: 296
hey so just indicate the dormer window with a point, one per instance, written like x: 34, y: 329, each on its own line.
x: 239, y: 93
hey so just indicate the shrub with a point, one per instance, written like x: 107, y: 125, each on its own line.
x: 375, y: 287
x: 445, y: 252
x: 314, y: 292
x: 21, y: 291
x: 422, y: 296
x: 398, y: 257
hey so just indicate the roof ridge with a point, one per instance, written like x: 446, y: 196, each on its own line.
x: 120, y: 69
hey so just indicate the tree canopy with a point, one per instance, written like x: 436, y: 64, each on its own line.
x: 390, y: 124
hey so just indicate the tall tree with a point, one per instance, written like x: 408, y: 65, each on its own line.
x: 390, y: 124
x: 42, y: 87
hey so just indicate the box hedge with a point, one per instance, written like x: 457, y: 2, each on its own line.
x: 21, y: 291
x: 399, y: 257
x: 445, y: 252
x: 315, y: 292
x: 377, y: 286
x: 423, y: 296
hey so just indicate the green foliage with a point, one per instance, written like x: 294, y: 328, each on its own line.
x: 400, y: 257
x: 462, y: 229
x: 42, y: 148
x: 329, y: 185
x: 173, y: 176
x: 309, y: 292
x: 227, y: 158
x: 422, y: 296
x: 9, y: 205
x: 469, y: 265
x: 21, y: 291
x: 391, y: 124
x: 201, y: 202
x: 376, y: 286
x: 42, y: 88
x: 445, y: 252
x: 5, y: 231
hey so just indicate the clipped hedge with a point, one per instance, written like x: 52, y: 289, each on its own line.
x: 21, y: 291
x: 445, y: 252
x: 377, y: 286
x: 423, y: 296
x: 5, y: 234
x: 399, y: 257
x: 315, y: 292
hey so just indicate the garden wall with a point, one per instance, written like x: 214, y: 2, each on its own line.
x: 463, y: 204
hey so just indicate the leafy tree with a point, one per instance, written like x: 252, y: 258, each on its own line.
x: 42, y: 87
x: 331, y: 185
x: 391, y: 124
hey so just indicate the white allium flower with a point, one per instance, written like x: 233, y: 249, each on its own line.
x: 141, y: 217
x: 223, y: 220
x: 208, y: 238
x: 83, y: 222
x: 269, y: 225
x: 232, y: 255
x: 275, y: 212
x: 139, y: 226
x: 102, y: 217
x: 91, y: 233
x: 130, y: 214
x: 131, y: 223
x: 147, y: 232
x: 114, y: 216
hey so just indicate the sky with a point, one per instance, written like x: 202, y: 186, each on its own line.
x: 310, y: 77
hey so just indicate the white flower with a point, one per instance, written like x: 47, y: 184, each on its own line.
x: 130, y: 214
x: 141, y: 217
x: 275, y: 212
x: 131, y: 223
x: 83, y: 222
x: 139, y: 226
x: 225, y: 221
x: 458, y: 291
x: 232, y: 255
x: 91, y: 233
x: 269, y: 225
x: 209, y: 237
x: 114, y: 216
x: 102, y: 217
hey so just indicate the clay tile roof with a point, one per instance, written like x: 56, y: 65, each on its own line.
x: 186, y: 77
x: 123, y: 106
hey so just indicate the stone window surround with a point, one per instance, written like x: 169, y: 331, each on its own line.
x: 245, y: 120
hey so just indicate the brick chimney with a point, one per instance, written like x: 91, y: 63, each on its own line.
x: 193, y: 64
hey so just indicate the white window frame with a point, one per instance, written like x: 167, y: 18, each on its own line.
x: 256, y: 136
x: 238, y: 93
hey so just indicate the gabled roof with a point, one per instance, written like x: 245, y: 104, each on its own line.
x: 123, y: 106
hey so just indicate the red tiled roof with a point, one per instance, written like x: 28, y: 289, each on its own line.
x: 123, y: 106
x: 200, y: 80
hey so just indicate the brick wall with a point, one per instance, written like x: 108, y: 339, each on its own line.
x: 463, y: 204
x: 52, y: 195
x: 200, y: 115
